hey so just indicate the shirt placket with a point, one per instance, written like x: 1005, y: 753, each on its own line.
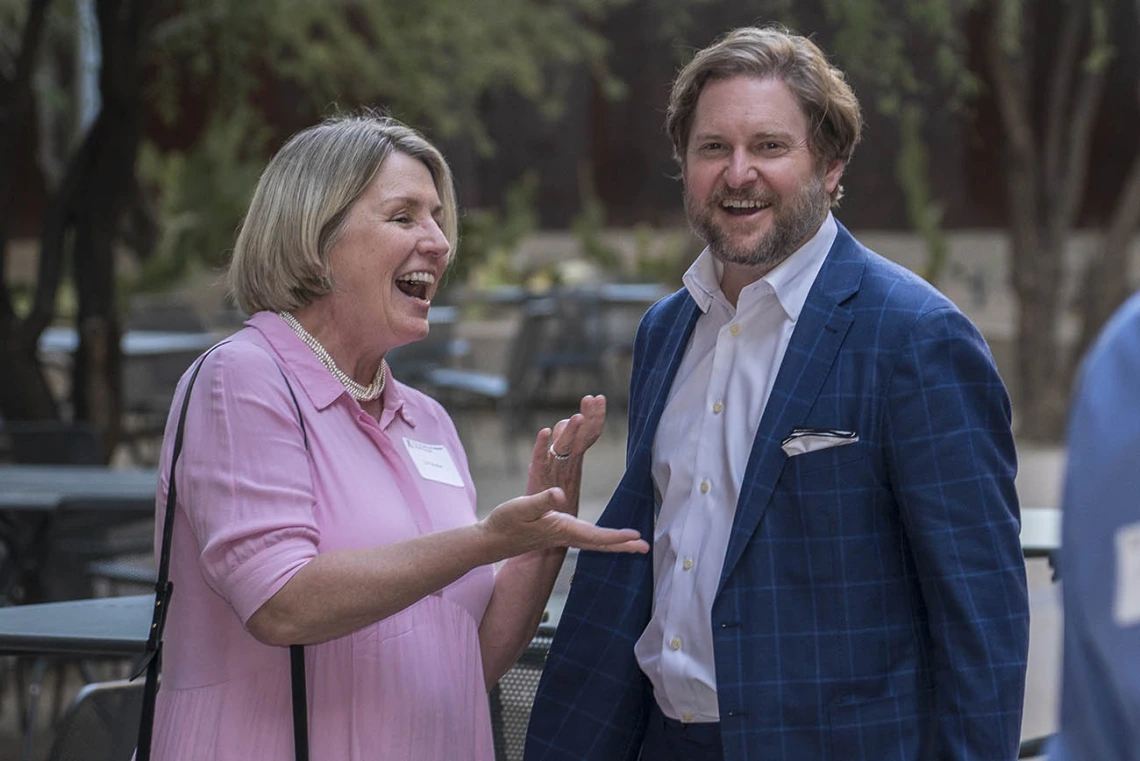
x: 691, y: 566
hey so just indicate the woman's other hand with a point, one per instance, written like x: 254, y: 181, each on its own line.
x: 540, y: 521
x: 558, y: 452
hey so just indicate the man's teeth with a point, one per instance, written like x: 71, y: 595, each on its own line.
x: 744, y: 204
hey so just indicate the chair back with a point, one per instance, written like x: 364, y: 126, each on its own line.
x: 412, y: 363
x: 512, y: 697
x: 101, y: 724
x: 533, y: 334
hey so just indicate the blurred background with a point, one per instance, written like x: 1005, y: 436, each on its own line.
x: 1001, y: 161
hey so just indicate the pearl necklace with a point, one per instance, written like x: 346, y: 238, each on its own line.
x: 359, y: 392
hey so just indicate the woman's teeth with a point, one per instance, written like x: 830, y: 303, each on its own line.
x: 415, y: 284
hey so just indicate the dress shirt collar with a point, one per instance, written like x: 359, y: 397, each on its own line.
x: 790, y: 280
x: 321, y: 386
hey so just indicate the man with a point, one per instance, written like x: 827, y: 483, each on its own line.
x: 1100, y: 560
x: 820, y: 446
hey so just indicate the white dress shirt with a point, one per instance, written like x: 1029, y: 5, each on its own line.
x: 699, y: 456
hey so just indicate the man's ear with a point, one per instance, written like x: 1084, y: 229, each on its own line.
x: 833, y: 175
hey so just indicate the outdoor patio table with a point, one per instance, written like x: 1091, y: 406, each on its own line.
x: 135, y: 343
x: 47, y: 487
x: 31, y: 498
x: 106, y: 626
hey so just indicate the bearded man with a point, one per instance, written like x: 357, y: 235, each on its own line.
x: 820, y: 447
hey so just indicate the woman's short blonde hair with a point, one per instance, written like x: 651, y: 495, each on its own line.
x: 834, y: 118
x: 301, y: 204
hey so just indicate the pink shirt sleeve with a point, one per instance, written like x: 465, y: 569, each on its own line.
x: 243, y: 478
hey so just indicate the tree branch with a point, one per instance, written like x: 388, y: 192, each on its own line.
x: 1012, y: 98
x: 53, y: 236
x: 1060, y: 85
x: 1071, y: 185
x: 14, y: 111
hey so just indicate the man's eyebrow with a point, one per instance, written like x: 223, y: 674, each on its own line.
x: 782, y: 136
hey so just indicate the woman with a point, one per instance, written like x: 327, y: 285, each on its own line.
x: 354, y: 533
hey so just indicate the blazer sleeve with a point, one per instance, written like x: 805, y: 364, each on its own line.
x: 952, y: 465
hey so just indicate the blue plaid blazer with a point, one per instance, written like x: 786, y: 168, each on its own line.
x: 872, y: 604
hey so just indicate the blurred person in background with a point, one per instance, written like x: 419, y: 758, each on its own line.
x: 322, y: 502
x: 820, y: 447
x: 1100, y: 553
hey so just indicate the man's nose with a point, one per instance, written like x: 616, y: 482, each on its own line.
x: 741, y: 170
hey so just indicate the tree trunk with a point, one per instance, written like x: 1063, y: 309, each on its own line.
x: 1106, y: 283
x: 1047, y: 167
x: 24, y: 391
x: 114, y: 143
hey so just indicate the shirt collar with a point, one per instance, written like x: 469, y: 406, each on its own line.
x: 790, y: 280
x: 702, y: 280
x: 319, y: 384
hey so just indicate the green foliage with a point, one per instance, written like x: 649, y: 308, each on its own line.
x: 587, y: 226
x: 878, y: 42
x: 1101, y: 50
x: 1012, y: 15
x: 659, y: 257
x: 488, y: 239
x: 912, y: 168
x: 204, y: 194
x: 429, y: 62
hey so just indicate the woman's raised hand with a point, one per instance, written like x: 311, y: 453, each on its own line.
x: 540, y: 521
x: 558, y: 452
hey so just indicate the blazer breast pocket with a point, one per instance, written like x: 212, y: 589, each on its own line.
x: 832, y: 457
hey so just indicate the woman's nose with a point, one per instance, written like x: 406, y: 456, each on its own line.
x: 434, y: 242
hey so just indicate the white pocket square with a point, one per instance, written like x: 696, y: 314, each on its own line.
x: 804, y: 440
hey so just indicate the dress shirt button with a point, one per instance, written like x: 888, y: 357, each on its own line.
x: 675, y: 643
x: 687, y: 564
x: 687, y: 718
x: 704, y: 487
x: 718, y: 408
x: 735, y: 330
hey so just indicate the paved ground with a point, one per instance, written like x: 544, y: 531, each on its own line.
x: 496, y: 482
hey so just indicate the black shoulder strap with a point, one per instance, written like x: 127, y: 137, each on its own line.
x: 164, y: 589
x: 297, y: 652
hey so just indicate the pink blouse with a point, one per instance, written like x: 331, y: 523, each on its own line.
x: 254, y: 505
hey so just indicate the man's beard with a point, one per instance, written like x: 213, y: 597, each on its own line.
x: 795, y: 220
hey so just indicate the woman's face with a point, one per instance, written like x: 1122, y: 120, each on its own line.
x: 388, y: 262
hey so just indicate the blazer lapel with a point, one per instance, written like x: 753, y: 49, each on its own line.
x: 818, y: 334
x: 659, y: 375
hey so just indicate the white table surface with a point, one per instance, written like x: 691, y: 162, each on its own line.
x: 46, y: 487
x: 1040, y: 530
x: 135, y: 343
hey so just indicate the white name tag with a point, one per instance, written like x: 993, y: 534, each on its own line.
x: 433, y: 462
x: 1126, y: 606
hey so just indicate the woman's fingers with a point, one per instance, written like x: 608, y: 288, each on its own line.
x: 584, y: 535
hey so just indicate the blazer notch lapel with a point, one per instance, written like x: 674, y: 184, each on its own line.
x: 822, y: 328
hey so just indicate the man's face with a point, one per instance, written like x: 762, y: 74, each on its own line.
x: 753, y: 190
